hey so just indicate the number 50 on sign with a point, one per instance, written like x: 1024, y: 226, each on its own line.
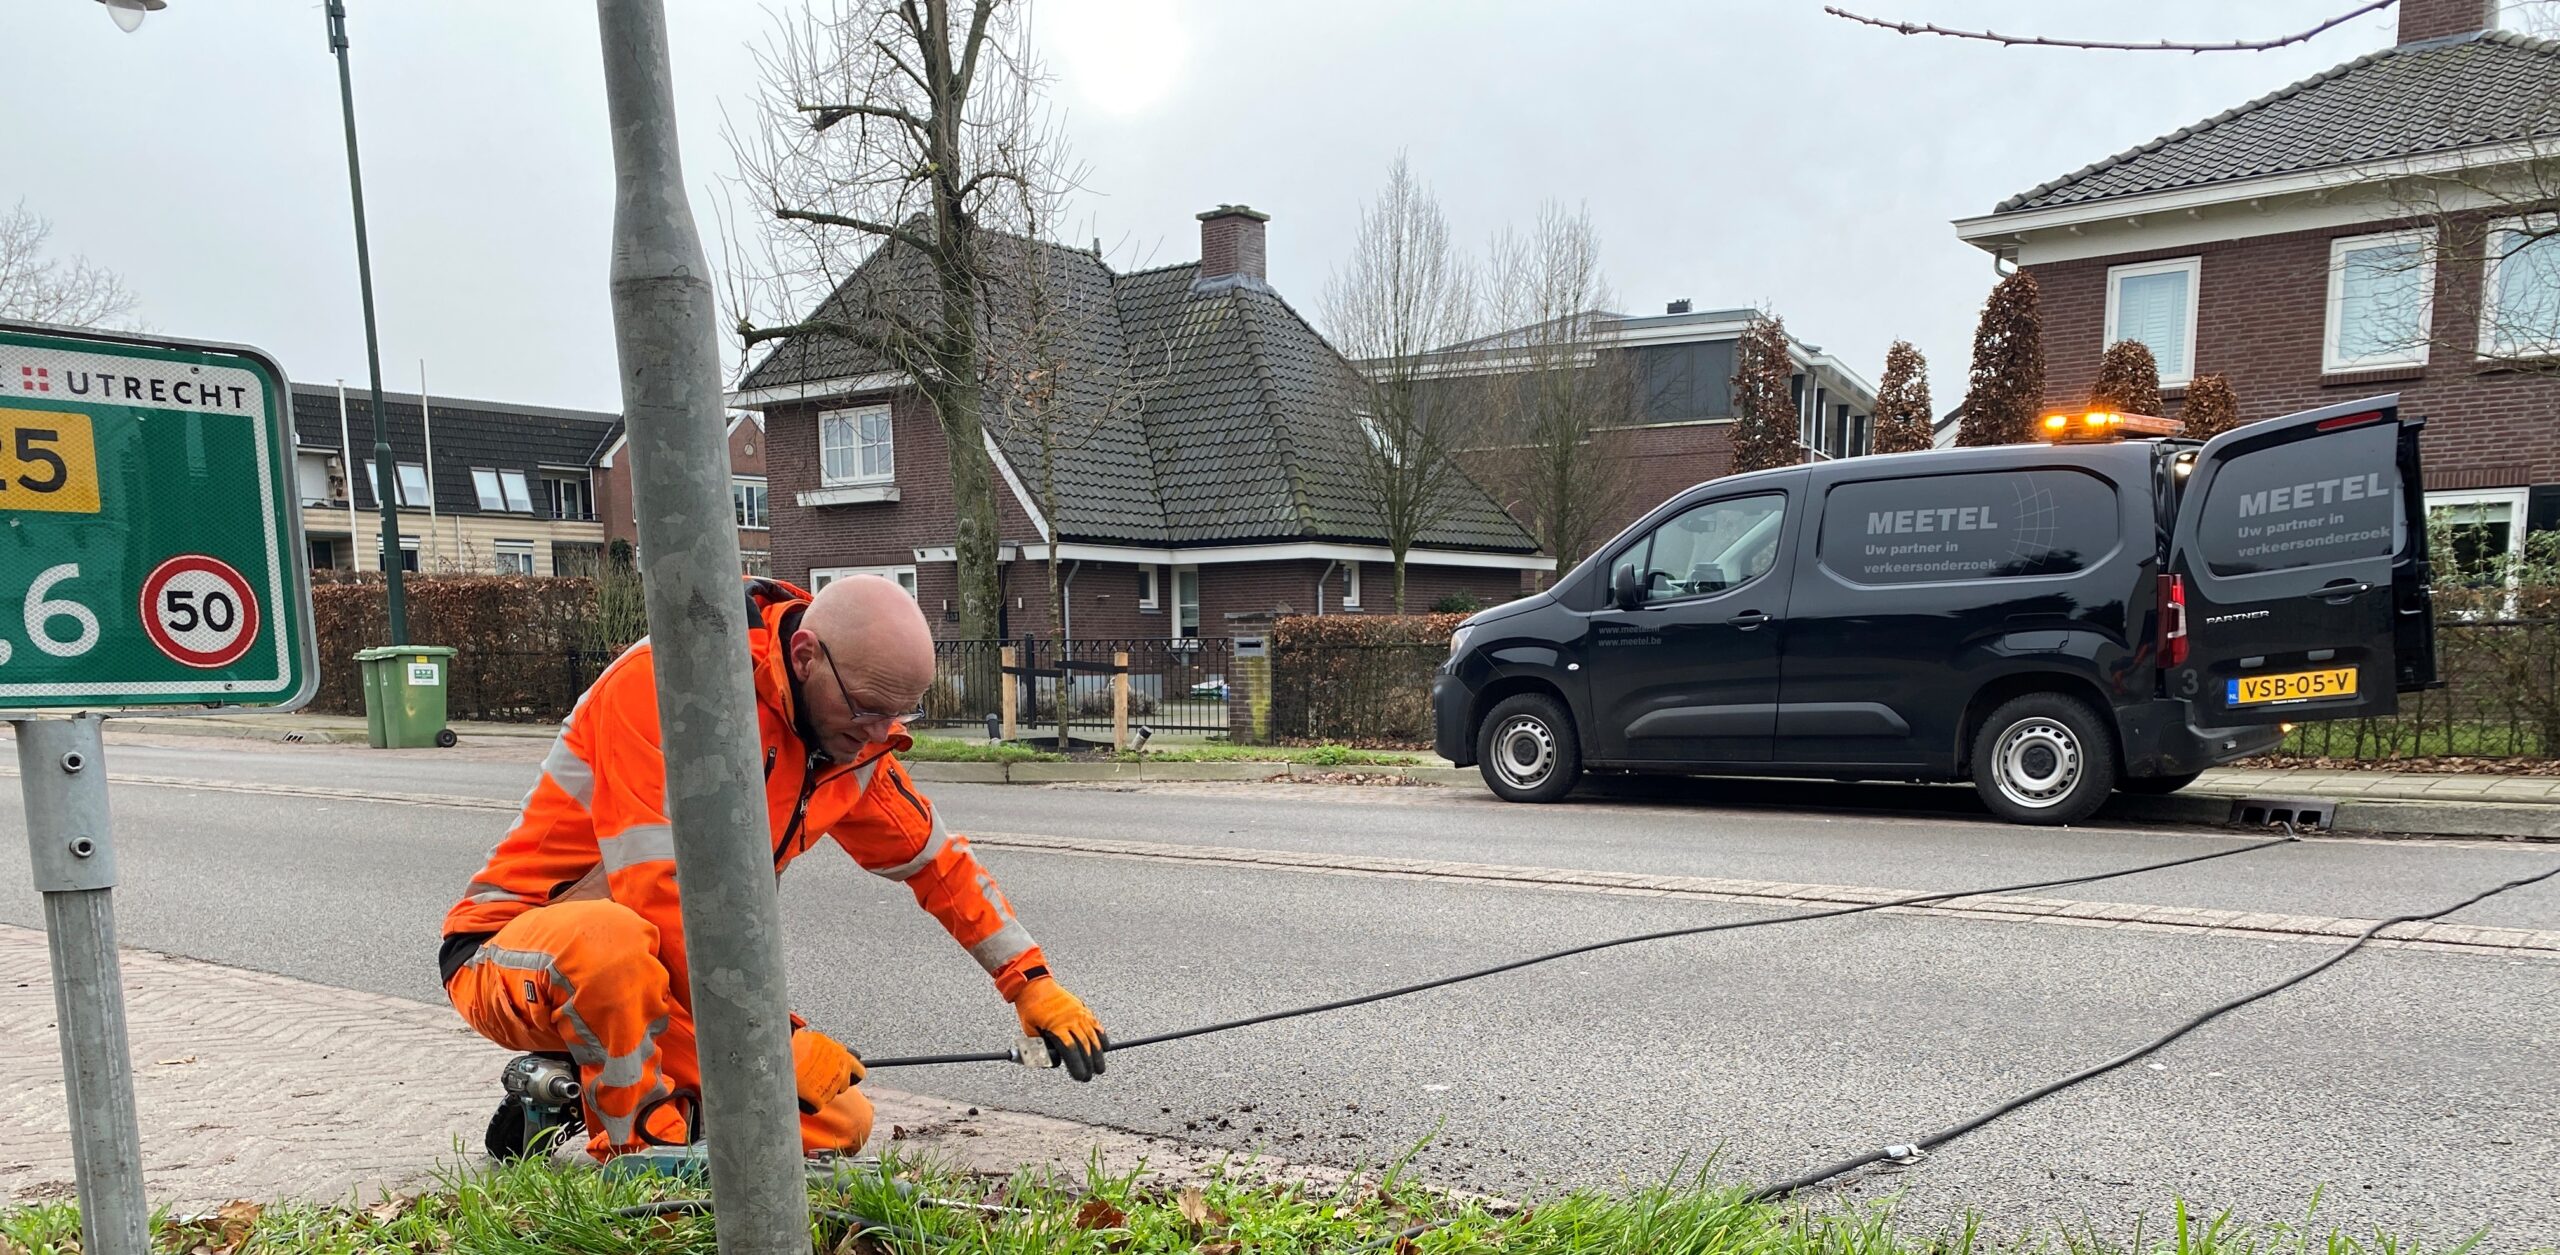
x: 147, y: 502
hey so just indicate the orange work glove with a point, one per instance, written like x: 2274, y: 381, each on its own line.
x: 821, y: 1069
x: 1061, y: 1019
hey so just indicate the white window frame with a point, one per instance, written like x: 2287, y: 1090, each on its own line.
x: 855, y: 416
x: 820, y: 577
x: 400, y: 472
x: 519, y: 494
x: 501, y: 550
x: 549, y: 478
x: 2490, y: 345
x: 1150, y: 587
x: 1179, y: 608
x: 2330, y: 361
x: 484, y: 485
x: 2194, y: 269
x: 738, y: 486
x: 1350, y: 585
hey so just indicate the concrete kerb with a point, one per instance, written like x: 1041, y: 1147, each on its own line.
x: 2518, y: 820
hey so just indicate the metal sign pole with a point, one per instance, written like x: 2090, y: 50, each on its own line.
x: 666, y: 336
x: 62, y: 772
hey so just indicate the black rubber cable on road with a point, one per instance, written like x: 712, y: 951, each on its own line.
x: 1791, y: 1185
x: 1922, y: 899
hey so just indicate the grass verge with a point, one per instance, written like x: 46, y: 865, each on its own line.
x: 904, y: 1206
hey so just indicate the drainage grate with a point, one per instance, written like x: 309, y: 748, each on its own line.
x: 2267, y: 812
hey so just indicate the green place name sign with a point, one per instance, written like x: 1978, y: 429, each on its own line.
x: 150, y: 537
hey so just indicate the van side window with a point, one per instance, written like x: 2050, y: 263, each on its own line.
x: 2305, y: 503
x: 1708, y: 548
x: 1935, y: 529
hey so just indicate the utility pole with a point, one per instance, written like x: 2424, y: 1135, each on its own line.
x: 665, y: 333
x: 386, y: 474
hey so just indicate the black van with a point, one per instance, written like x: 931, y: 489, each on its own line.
x: 2052, y: 621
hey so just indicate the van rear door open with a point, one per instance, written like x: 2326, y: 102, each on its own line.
x: 2301, y: 553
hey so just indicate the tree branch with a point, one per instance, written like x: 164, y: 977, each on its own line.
x: 864, y: 225
x: 829, y: 115
x: 2165, y: 45
x: 1011, y: 176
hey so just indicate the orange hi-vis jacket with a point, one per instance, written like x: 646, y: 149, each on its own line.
x: 596, y: 826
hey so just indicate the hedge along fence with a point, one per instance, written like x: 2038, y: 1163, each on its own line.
x: 1362, y: 679
x: 525, y: 646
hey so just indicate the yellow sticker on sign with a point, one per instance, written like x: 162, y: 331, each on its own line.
x: 2293, y: 686
x: 47, y: 462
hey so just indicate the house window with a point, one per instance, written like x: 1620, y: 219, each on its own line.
x: 409, y: 554
x: 1186, y: 601
x: 746, y: 496
x: 499, y: 491
x: 568, y: 497
x: 760, y: 562
x: 2484, y: 531
x: 313, y: 478
x: 905, y: 575
x: 413, y: 483
x: 485, y: 482
x: 2520, y: 295
x: 514, y: 557
x: 856, y: 447
x: 1350, y: 585
x: 1147, y: 576
x: 2155, y: 303
x: 2380, y: 290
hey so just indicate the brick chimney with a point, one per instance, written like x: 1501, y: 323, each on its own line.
x: 2435, y: 19
x: 1231, y: 243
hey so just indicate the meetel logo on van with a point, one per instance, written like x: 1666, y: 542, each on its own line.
x: 1971, y: 518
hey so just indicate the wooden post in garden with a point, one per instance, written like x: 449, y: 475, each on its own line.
x: 1120, y: 700
x: 1008, y: 700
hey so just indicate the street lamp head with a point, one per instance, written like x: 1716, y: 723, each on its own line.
x: 129, y: 13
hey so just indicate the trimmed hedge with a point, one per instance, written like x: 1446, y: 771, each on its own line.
x: 526, y: 646
x: 1360, y: 679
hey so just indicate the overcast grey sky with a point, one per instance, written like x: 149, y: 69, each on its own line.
x: 1735, y: 152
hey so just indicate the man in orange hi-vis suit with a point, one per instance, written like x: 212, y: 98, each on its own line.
x: 570, y: 940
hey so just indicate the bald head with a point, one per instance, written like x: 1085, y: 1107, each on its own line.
x: 881, y: 654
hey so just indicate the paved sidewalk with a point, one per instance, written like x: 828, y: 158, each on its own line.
x: 257, y: 1086
x: 2396, y: 785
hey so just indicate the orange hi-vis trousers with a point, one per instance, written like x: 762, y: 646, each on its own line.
x: 584, y: 978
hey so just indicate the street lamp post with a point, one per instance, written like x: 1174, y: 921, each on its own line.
x: 386, y: 478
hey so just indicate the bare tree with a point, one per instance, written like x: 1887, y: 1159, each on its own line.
x: 1555, y: 398
x: 1405, y: 293
x: 2113, y: 45
x: 1904, y: 421
x: 2128, y: 380
x: 38, y: 287
x: 2006, y: 385
x: 1765, y: 430
x: 894, y: 138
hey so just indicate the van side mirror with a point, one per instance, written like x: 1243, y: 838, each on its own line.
x: 1626, y: 588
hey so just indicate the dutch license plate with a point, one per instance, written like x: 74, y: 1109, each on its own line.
x: 2293, y: 686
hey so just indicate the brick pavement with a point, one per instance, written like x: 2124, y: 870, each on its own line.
x: 252, y: 1085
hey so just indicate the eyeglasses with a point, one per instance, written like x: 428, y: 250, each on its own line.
x: 858, y: 714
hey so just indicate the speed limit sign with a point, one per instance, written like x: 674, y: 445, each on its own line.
x: 199, y: 611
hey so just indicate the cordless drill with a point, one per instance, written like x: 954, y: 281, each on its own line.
x: 541, y: 1108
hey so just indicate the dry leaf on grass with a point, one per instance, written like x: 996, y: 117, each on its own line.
x: 1097, y: 1214
x: 1194, y: 1205
x: 389, y: 1209
x: 1220, y: 1248
x: 8, y: 1247
x: 234, y: 1221
x: 171, y: 1063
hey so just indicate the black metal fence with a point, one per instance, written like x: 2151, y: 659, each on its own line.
x: 1174, y: 685
x: 1364, y: 693
x: 2501, y: 699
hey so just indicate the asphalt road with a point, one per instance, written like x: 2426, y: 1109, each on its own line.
x: 2414, y: 1090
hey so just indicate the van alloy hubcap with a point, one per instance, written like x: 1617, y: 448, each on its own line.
x: 2036, y: 763
x: 1524, y: 752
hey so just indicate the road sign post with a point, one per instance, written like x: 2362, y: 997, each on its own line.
x: 150, y: 556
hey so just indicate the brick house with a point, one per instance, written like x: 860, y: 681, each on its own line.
x: 1679, y: 429
x: 1231, y: 494
x: 508, y: 488
x: 2320, y: 243
x: 615, y: 506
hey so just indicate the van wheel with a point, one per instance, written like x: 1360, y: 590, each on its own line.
x: 2157, y: 786
x: 1526, y: 751
x: 2044, y: 758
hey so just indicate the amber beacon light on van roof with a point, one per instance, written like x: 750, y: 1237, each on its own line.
x: 2097, y: 426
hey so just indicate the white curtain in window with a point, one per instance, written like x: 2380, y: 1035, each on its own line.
x: 836, y: 447
x: 2526, y: 298
x: 2380, y: 291
x: 2153, y: 309
x: 878, y: 451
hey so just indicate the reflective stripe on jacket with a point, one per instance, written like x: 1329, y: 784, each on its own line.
x: 595, y: 824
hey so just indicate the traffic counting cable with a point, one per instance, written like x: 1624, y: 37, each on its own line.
x: 1033, y: 1052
